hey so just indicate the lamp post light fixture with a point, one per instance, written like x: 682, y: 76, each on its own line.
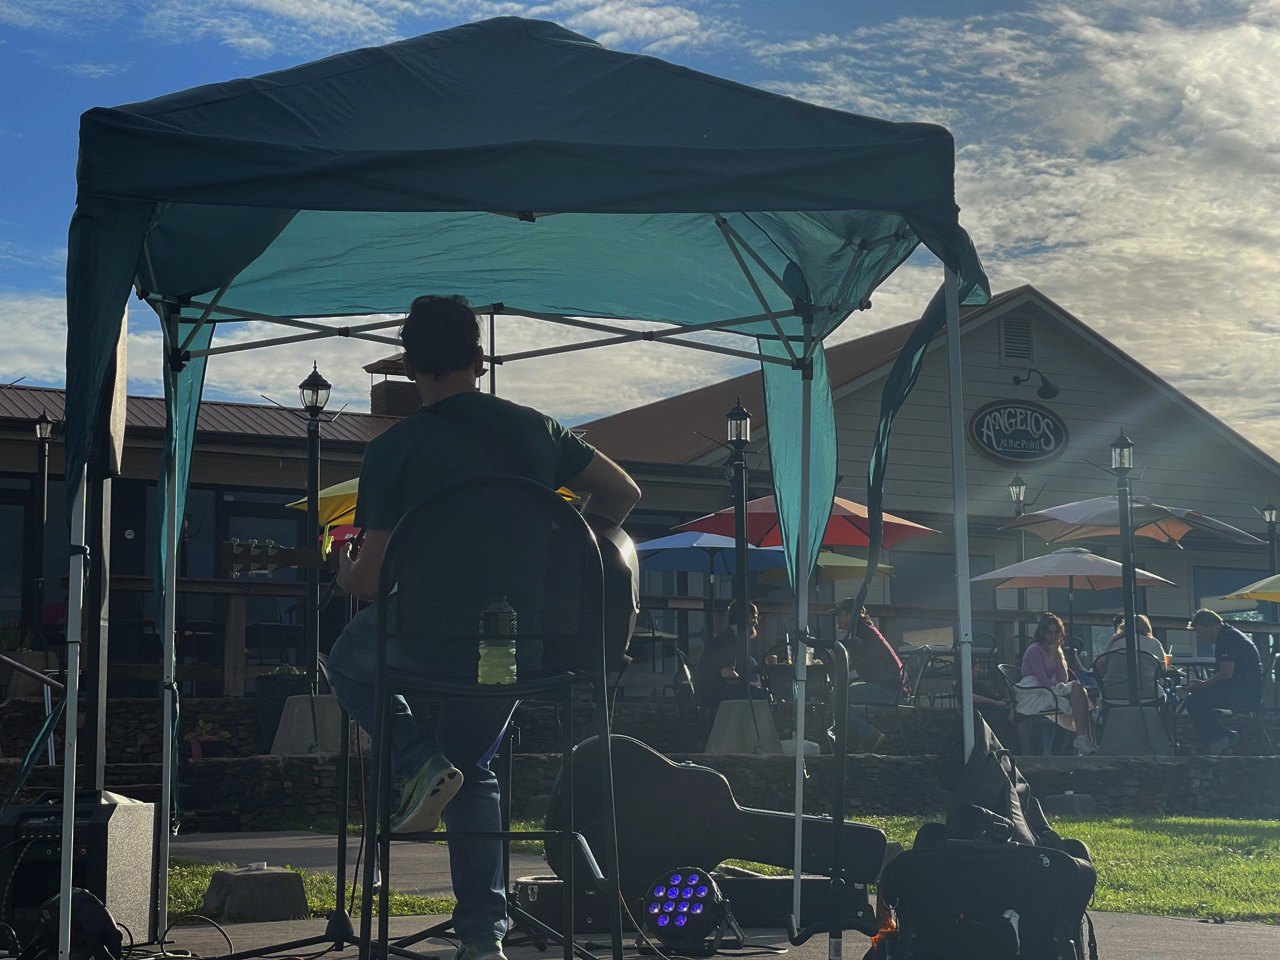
x: 738, y: 423
x: 314, y: 393
x: 44, y: 435
x: 1121, y: 466
x: 1018, y: 494
x: 1269, y: 515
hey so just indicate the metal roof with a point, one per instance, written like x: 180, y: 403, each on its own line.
x: 217, y: 418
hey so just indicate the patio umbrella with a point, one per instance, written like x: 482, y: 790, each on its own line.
x: 1266, y: 589
x: 337, y: 503
x: 1100, y: 517
x: 833, y: 566
x: 705, y: 553
x: 1069, y: 568
x: 848, y: 526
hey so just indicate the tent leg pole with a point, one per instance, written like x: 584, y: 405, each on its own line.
x: 75, y: 626
x: 802, y: 615
x: 168, y: 688
x: 960, y: 507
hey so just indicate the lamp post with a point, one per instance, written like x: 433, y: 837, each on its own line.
x: 1269, y: 515
x: 738, y: 422
x: 314, y: 393
x: 1121, y: 465
x: 1018, y: 494
x: 44, y: 434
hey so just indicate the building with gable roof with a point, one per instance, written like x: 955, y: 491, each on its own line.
x: 1060, y: 423
x: 250, y: 461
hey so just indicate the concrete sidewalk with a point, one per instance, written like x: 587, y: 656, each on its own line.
x: 422, y: 868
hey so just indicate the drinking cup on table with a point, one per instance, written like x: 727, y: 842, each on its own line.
x: 1168, y: 661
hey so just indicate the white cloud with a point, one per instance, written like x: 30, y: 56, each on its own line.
x: 1122, y: 157
x: 35, y: 332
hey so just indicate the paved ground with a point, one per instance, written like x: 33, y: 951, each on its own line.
x: 423, y: 868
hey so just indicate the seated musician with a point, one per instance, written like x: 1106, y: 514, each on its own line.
x: 414, y: 458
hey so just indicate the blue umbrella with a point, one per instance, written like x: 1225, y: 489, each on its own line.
x: 711, y: 553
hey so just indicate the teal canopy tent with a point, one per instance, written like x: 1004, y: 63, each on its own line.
x: 532, y: 171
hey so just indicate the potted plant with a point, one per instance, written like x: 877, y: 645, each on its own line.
x: 208, y: 740
x: 271, y: 690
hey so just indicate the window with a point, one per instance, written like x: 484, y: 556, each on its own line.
x: 1211, y: 584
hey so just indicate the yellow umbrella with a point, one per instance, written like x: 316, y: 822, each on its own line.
x: 832, y: 566
x: 1267, y: 589
x: 338, y: 502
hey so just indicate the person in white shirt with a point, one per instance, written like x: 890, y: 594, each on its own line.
x: 1114, y: 670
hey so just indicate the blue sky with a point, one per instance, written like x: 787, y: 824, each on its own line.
x: 1123, y: 156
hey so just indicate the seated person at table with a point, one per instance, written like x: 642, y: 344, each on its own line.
x: 716, y: 677
x: 1114, y: 669
x: 1045, y: 666
x: 1235, y: 685
x: 880, y: 678
x: 990, y: 699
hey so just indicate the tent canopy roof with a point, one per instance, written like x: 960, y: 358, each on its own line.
x: 477, y: 160
x: 516, y: 163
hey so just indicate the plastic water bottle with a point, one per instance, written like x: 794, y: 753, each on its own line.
x: 497, y: 644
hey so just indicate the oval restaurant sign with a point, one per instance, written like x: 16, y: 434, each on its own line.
x: 1015, y: 431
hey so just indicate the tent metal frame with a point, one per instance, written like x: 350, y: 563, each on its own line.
x: 177, y: 355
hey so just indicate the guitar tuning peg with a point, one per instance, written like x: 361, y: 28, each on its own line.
x: 253, y: 548
x: 271, y: 548
x: 270, y: 568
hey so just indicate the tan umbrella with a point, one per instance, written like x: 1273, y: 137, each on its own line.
x: 1100, y: 517
x: 1069, y: 568
x: 831, y: 567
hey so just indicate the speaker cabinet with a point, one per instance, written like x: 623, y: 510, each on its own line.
x: 112, y: 859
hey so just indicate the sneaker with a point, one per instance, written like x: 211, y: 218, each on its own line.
x: 1084, y: 746
x: 484, y: 950
x: 425, y: 795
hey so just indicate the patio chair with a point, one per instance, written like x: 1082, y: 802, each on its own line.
x: 935, y: 679
x: 433, y: 585
x: 1018, y: 697
x: 1257, y: 714
x: 1113, y: 685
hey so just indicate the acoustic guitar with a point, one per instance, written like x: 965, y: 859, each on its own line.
x: 670, y: 814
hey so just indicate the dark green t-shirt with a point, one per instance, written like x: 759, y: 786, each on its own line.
x: 425, y: 452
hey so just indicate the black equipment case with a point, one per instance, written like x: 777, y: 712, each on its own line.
x: 995, y: 882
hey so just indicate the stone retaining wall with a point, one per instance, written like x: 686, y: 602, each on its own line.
x: 268, y: 792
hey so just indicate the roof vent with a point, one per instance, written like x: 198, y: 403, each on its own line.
x: 1016, y: 346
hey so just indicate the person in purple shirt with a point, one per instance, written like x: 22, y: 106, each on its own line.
x: 1045, y: 665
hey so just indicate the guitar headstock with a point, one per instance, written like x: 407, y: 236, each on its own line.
x: 265, y: 557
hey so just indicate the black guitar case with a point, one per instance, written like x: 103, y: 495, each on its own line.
x: 669, y: 814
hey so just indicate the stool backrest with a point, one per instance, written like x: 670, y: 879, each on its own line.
x: 484, y: 541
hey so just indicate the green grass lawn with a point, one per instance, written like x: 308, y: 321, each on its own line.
x: 1173, y: 866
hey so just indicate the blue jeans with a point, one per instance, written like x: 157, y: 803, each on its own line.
x: 468, y: 733
x: 861, y: 692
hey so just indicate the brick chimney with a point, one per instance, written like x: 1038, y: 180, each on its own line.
x: 394, y: 398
